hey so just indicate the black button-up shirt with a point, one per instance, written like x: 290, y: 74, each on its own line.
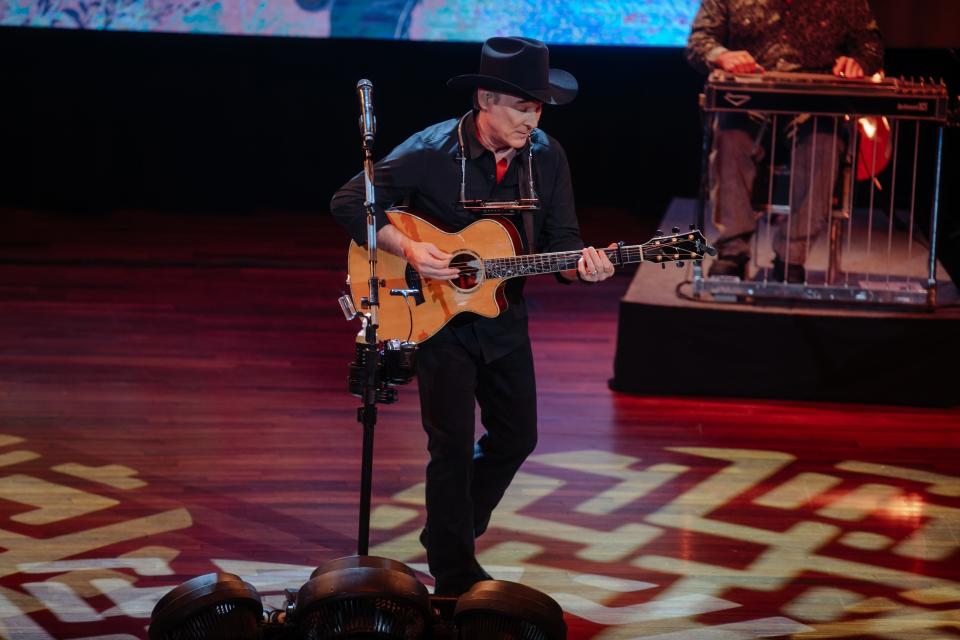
x: 424, y: 173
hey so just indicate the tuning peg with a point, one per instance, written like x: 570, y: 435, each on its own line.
x: 675, y: 230
x: 679, y: 264
x: 693, y: 227
x: 663, y: 265
x: 658, y: 233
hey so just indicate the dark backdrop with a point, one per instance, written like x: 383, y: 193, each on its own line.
x: 92, y: 121
x: 120, y: 119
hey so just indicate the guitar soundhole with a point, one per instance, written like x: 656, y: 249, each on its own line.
x: 470, y: 268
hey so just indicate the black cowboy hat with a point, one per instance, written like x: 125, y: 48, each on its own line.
x: 520, y: 67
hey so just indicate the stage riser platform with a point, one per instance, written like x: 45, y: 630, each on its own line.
x: 708, y: 352
x: 670, y: 342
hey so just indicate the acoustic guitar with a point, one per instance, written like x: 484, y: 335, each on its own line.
x: 487, y: 253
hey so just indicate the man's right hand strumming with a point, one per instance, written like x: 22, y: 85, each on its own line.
x: 425, y: 257
x: 738, y: 62
x: 429, y: 261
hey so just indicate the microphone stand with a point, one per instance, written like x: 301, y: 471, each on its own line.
x: 367, y: 413
x: 377, y: 368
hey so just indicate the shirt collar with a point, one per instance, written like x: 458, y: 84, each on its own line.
x: 474, y: 148
x: 470, y: 139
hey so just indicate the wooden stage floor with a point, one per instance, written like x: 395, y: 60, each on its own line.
x: 172, y: 402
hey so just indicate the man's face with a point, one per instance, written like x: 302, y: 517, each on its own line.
x: 508, y: 120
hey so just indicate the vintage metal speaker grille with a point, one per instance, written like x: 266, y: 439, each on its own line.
x: 364, y: 618
x: 488, y: 626
x: 229, y: 621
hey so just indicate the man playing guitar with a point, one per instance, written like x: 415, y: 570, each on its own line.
x: 452, y: 172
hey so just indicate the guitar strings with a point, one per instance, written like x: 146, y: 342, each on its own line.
x: 557, y: 260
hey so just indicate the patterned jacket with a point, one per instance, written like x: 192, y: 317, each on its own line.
x: 786, y: 35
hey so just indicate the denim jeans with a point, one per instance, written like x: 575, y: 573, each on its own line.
x: 740, y: 143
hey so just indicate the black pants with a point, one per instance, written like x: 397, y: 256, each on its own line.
x: 466, y: 478
x: 739, y: 143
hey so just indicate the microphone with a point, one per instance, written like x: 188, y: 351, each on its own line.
x: 368, y: 122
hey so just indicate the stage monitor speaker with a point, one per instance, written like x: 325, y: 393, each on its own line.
x: 497, y: 610
x: 363, y: 597
x: 215, y: 606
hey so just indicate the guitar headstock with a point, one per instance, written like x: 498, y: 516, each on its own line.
x: 677, y: 247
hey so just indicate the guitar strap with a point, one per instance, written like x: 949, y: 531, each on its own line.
x: 525, y: 206
x: 528, y: 229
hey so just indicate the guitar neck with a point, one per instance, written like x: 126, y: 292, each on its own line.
x: 531, y: 265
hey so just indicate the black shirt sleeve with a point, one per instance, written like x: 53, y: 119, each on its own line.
x: 397, y: 176
x: 560, y: 231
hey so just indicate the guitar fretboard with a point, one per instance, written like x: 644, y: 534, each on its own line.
x: 553, y: 262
